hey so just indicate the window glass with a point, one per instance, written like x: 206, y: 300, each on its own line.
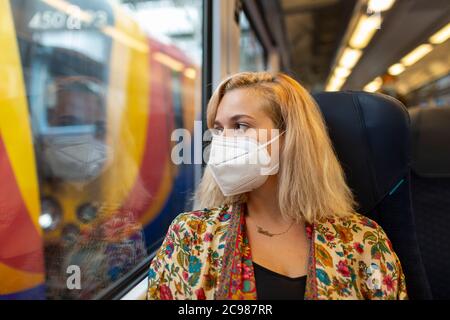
x: 105, y: 83
x: 252, y: 56
x: 433, y: 94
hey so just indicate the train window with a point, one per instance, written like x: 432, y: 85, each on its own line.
x: 104, y: 84
x: 252, y: 54
x: 434, y: 94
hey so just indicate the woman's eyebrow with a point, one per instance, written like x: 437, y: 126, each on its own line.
x: 234, y: 118
x: 240, y: 116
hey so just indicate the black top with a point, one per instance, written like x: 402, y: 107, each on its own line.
x: 274, y: 286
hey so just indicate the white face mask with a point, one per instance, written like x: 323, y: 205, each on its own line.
x: 240, y: 164
x: 79, y: 158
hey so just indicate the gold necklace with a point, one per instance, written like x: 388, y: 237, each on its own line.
x: 270, y: 234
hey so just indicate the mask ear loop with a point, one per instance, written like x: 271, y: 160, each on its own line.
x: 262, y: 146
x: 271, y: 140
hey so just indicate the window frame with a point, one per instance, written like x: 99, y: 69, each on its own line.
x: 251, y: 20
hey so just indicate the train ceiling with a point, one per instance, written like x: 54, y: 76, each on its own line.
x: 407, y: 25
x: 312, y: 33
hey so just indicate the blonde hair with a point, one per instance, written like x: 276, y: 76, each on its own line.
x: 311, y: 183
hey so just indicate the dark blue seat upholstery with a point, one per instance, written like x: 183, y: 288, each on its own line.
x: 371, y: 136
x: 431, y: 193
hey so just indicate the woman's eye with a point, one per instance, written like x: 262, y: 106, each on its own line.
x: 241, y: 127
x: 217, y: 131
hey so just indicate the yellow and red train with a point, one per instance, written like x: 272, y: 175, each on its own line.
x: 88, y: 102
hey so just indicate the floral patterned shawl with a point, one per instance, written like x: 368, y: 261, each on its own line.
x: 206, y: 255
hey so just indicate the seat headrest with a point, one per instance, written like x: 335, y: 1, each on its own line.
x: 371, y: 137
x: 430, y: 154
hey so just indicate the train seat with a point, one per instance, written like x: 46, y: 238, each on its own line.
x: 371, y: 136
x: 430, y: 186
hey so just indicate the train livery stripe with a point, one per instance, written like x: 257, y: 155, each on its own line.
x: 155, y: 169
x: 14, y: 122
x: 35, y: 293
x: 15, y: 282
x: 18, y: 236
x: 127, y: 114
x: 140, y: 178
x: 21, y: 255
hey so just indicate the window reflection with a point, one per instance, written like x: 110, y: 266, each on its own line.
x: 102, y: 104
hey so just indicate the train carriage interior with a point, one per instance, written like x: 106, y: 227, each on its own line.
x: 96, y: 98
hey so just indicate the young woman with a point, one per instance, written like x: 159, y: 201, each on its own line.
x: 282, y: 226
